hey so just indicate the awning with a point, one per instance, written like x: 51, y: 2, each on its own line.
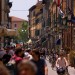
x: 11, y: 32
x: 3, y: 31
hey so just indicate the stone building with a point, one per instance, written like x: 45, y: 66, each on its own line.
x: 5, y: 10
x: 5, y: 6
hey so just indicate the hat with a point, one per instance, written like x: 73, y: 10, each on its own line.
x: 26, y: 55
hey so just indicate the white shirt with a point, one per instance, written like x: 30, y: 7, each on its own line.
x: 27, y: 55
x: 61, y: 62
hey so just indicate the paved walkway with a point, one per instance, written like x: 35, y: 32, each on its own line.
x: 50, y: 71
x: 53, y: 72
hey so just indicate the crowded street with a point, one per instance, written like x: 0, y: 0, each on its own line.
x: 37, y: 37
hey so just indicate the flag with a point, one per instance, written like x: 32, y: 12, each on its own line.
x: 61, y: 12
x: 58, y: 2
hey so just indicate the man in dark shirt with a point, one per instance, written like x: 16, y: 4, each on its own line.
x: 39, y: 62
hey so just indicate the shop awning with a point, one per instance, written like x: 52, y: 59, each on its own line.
x: 11, y: 32
x: 7, y: 32
x: 2, y: 31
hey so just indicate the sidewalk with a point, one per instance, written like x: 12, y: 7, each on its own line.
x: 71, y: 70
x: 50, y: 71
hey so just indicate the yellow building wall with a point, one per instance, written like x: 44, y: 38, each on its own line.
x: 35, y: 26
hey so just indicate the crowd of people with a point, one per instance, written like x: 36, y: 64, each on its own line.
x: 21, y: 61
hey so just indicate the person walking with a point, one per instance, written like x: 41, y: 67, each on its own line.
x: 61, y: 64
x: 42, y: 68
x: 18, y: 56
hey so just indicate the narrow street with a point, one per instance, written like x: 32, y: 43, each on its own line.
x: 50, y: 71
x: 53, y: 72
x: 35, y: 29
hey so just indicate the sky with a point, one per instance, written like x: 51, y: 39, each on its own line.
x: 20, y: 8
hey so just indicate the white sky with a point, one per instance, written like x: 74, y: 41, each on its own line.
x: 20, y: 8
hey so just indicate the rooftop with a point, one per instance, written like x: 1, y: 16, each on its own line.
x: 36, y: 5
x: 13, y: 18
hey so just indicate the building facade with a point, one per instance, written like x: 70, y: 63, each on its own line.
x: 61, y: 27
x: 36, y: 20
x: 56, y: 25
x: 16, y: 23
x: 5, y: 6
x: 5, y: 10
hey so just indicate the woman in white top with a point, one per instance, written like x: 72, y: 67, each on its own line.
x: 61, y: 62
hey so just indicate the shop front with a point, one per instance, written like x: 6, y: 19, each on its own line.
x: 6, y: 35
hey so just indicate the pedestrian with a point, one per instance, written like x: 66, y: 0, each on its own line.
x: 15, y: 60
x: 26, y: 67
x: 42, y: 68
x: 3, y: 70
x: 61, y: 64
x: 18, y: 56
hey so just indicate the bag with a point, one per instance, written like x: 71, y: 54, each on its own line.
x: 60, y: 70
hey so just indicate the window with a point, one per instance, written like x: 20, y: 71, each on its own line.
x: 37, y: 32
x: 33, y: 13
x: 15, y: 25
x: 37, y: 21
